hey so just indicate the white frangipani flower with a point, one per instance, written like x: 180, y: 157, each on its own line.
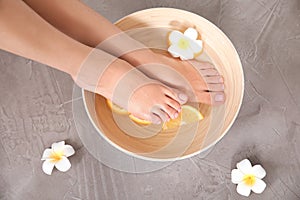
x: 186, y: 46
x: 248, y: 178
x: 57, y: 156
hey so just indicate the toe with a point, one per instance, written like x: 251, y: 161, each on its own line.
x: 176, y: 95
x: 218, y: 98
x: 204, y: 97
x: 161, y: 114
x: 155, y: 119
x: 209, y: 72
x: 173, y: 104
x: 183, y: 98
x: 211, y: 98
x: 216, y: 87
x: 172, y: 113
x: 214, y: 79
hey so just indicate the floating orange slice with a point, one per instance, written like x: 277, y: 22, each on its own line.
x: 187, y: 115
x: 139, y: 121
x: 190, y: 115
x: 115, y: 108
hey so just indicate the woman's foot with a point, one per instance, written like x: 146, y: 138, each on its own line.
x: 156, y: 102
x: 129, y: 88
x: 199, y: 80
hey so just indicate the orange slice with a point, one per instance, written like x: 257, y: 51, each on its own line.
x: 190, y: 115
x: 187, y: 115
x: 139, y: 121
x: 115, y: 108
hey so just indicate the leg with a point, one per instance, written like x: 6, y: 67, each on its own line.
x: 28, y: 35
x: 207, y: 83
x: 75, y: 19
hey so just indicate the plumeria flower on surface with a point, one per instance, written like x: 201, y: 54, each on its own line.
x: 57, y: 156
x: 248, y: 178
x: 185, y: 45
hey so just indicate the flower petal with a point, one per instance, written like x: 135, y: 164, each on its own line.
x: 236, y: 176
x: 46, y: 154
x: 63, y: 165
x: 196, y: 45
x: 186, y: 54
x: 258, y: 171
x: 259, y: 186
x: 191, y: 33
x: 175, y: 50
x: 200, y: 42
x: 175, y: 36
x: 58, y: 146
x: 243, y: 189
x: 174, y: 55
x: 68, y: 150
x: 245, y: 166
x: 48, y: 167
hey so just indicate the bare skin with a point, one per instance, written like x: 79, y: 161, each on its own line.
x: 28, y: 35
x: 207, y: 85
x: 200, y: 80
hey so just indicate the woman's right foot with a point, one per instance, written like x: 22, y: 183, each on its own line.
x: 199, y: 80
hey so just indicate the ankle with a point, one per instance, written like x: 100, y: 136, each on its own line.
x: 76, y: 60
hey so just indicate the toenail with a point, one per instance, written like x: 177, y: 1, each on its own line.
x: 221, y: 80
x: 223, y: 87
x: 219, y: 97
x: 182, y: 97
x: 176, y: 115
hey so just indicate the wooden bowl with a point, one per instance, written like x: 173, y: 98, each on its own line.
x: 151, y: 27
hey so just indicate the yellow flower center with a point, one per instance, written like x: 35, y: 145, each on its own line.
x: 249, y: 179
x: 56, y: 156
x: 183, y: 43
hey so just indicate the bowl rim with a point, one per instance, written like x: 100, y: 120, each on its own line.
x: 196, y: 152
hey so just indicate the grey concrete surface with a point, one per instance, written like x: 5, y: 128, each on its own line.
x: 35, y: 110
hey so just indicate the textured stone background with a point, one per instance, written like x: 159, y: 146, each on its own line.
x: 35, y: 110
